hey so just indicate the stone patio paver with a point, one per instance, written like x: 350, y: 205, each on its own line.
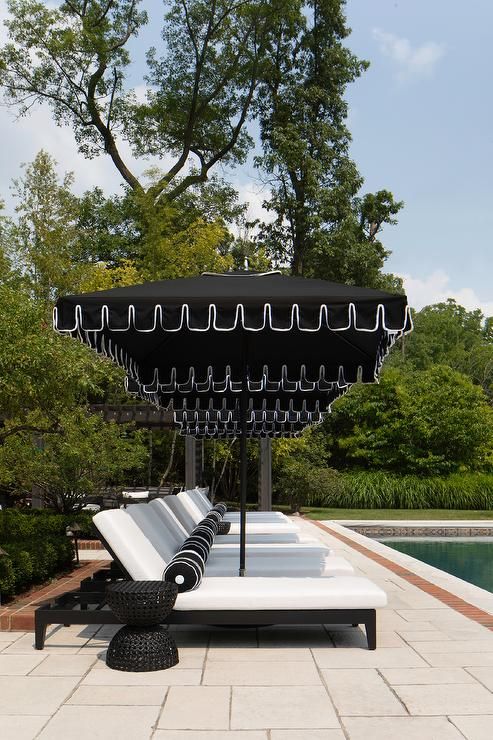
x: 442, y: 660
x: 241, y: 655
x: 432, y: 635
x: 286, y: 707
x: 63, y: 665
x: 196, y: 708
x: 474, y: 728
x: 119, y: 695
x: 400, y: 728
x: 452, y: 646
x: 15, y: 727
x: 210, y: 735
x: 104, y: 676
x: 357, y: 658
x: 19, y: 665
x: 424, y: 676
x: 444, y: 699
x: 34, y: 694
x: 257, y: 673
x: 101, y: 723
x: 361, y: 692
x: 63, y: 644
x: 485, y: 675
x: 307, y: 735
x: 439, y: 615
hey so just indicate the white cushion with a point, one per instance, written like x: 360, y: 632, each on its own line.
x: 173, y: 511
x: 265, y: 528
x: 272, y: 566
x: 204, y: 504
x: 230, y: 594
x: 165, y: 514
x: 132, y: 548
x: 165, y: 539
x: 282, y: 538
x: 195, y: 507
x: 278, y: 550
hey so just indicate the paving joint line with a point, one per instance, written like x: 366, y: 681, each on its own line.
x: 327, y: 691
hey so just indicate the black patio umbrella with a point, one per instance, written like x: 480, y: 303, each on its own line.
x: 242, y: 352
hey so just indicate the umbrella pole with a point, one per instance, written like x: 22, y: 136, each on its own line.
x: 243, y: 454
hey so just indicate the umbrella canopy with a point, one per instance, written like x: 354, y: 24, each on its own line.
x: 254, y: 354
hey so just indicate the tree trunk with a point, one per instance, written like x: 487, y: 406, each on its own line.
x: 170, y: 462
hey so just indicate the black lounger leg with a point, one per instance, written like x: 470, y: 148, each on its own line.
x: 371, y: 630
x: 39, y: 633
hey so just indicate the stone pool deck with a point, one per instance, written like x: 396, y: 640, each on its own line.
x: 431, y: 677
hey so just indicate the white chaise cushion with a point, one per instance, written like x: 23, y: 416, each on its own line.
x: 133, y: 549
x: 231, y: 594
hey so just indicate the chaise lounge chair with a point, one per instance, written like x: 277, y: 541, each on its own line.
x: 298, y: 559
x: 220, y: 600
x: 175, y: 516
x: 190, y: 516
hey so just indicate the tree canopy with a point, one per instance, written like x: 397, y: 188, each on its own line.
x: 221, y: 66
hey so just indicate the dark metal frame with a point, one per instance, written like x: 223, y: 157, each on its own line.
x: 90, y: 607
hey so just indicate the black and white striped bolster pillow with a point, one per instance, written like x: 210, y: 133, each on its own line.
x: 197, y: 544
x: 215, y: 516
x: 221, y: 508
x: 185, y: 570
x: 209, y: 524
x: 204, y: 532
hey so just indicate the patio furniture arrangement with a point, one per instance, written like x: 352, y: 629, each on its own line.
x: 143, y: 644
x: 215, y: 597
x: 240, y: 354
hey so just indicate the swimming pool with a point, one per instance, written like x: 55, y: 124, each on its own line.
x: 468, y: 558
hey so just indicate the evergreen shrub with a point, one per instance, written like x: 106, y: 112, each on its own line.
x: 36, y: 547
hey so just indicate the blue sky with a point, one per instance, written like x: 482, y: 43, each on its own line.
x: 421, y: 120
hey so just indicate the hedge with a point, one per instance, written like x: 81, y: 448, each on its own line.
x: 37, y: 548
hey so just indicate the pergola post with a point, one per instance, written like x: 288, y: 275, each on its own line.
x: 265, y: 475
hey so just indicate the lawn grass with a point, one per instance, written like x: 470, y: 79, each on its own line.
x: 314, y: 513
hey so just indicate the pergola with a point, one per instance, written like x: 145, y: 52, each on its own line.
x: 151, y: 417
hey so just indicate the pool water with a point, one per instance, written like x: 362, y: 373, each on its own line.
x: 466, y: 557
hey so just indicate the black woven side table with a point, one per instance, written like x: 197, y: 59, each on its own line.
x: 223, y: 527
x: 143, y: 644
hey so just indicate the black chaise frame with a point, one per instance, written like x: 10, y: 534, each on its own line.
x: 89, y: 607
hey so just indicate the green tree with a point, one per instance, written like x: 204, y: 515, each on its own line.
x: 41, y: 373
x: 43, y: 239
x: 431, y: 422
x: 448, y: 334
x: 200, y: 89
x: 321, y: 227
x: 84, y: 455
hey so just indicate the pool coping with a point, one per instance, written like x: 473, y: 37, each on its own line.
x: 398, y: 564
x: 419, y: 528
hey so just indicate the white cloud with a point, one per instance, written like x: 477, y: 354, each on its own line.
x: 436, y: 289
x: 24, y: 137
x: 411, y: 62
x: 253, y: 195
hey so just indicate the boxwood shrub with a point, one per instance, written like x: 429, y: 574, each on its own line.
x: 36, y: 548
